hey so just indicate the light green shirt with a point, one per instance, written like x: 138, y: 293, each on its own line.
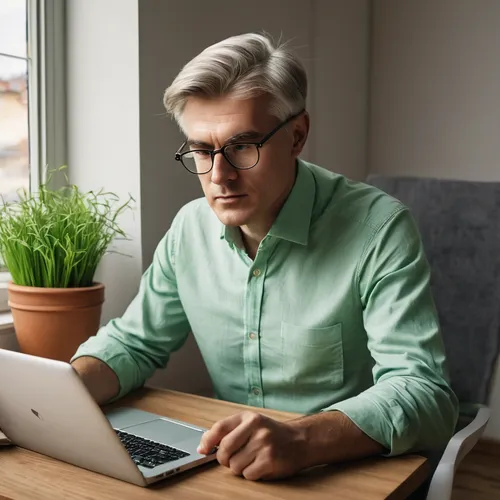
x: 334, y: 313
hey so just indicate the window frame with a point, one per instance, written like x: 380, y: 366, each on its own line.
x: 46, y: 96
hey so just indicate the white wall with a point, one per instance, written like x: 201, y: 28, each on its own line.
x: 435, y: 88
x: 435, y: 97
x: 339, y: 37
x: 103, y: 125
x: 332, y: 39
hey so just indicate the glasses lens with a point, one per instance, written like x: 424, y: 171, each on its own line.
x: 242, y: 155
x: 198, y: 161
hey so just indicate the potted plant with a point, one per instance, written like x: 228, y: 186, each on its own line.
x: 52, y: 242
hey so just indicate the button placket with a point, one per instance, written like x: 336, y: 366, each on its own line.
x: 253, y: 308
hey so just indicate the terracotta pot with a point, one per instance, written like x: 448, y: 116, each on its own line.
x: 53, y: 322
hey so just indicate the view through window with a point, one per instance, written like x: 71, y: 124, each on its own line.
x: 14, y: 122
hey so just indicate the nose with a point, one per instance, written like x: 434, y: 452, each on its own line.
x: 222, y: 171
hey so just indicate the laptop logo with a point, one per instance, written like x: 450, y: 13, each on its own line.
x: 37, y: 415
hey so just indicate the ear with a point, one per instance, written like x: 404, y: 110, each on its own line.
x: 300, y: 133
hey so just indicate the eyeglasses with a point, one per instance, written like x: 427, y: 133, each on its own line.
x: 241, y: 155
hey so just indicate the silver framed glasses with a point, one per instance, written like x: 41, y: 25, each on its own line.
x: 241, y: 155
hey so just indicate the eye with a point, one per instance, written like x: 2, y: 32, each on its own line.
x: 240, y: 147
x: 200, y: 153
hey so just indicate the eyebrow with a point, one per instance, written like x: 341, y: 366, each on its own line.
x: 249, y: 135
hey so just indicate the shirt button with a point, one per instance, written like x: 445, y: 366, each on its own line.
x: 253, y: 335
x: 256, y: 391
x: 256, y: 272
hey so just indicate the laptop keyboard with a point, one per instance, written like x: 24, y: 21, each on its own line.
x: 149, y: 453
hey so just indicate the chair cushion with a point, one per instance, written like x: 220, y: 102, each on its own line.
x: 460, y: 226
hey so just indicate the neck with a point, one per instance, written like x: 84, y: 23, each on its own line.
x: 252, y: 236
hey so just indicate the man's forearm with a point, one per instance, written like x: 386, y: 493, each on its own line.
x: 100, y: 379
x: 332, y: 437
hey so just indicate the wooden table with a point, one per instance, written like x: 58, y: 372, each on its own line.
x: 25, y: 474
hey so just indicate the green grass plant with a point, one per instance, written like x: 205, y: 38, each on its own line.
x: 57, y: 238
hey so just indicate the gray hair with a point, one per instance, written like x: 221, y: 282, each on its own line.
x: 242, y: 67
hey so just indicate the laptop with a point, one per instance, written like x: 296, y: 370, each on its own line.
x: 45, y: 407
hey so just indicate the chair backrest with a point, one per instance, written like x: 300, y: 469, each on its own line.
x: 441, y: 485
x: 459, y: 222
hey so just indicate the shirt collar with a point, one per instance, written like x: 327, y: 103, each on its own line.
x: 294, y: 220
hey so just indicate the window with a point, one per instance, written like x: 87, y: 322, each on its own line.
x: 32, y: 108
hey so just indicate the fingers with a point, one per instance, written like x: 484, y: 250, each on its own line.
x: 233, y: 442
x: 251, y: 465
x: 219, y: 430
x: 256, y: 470
x: 245, y: 445
x: 241, y: 461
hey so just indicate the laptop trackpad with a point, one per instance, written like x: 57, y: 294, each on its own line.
x: 164, y: 431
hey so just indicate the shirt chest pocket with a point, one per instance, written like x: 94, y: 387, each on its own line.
x: 312, y: 358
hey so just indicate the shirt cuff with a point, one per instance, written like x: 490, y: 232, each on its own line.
x: 384, y: 424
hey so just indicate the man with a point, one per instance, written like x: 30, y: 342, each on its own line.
x: 305, y: 291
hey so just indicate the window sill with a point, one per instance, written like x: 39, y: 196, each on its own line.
x: 6, y: 323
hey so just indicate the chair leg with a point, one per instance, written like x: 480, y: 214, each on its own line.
x: 433, y: 459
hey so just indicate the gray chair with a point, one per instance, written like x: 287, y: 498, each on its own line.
x: 459, y: 222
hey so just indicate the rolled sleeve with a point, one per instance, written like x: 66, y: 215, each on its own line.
x: 153, y: 326
x: 411, y: 406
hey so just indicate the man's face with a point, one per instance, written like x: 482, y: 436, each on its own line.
x: 244, y: 197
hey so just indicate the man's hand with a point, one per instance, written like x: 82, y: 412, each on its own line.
x: 259, y: 447
x: 256, y: 446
